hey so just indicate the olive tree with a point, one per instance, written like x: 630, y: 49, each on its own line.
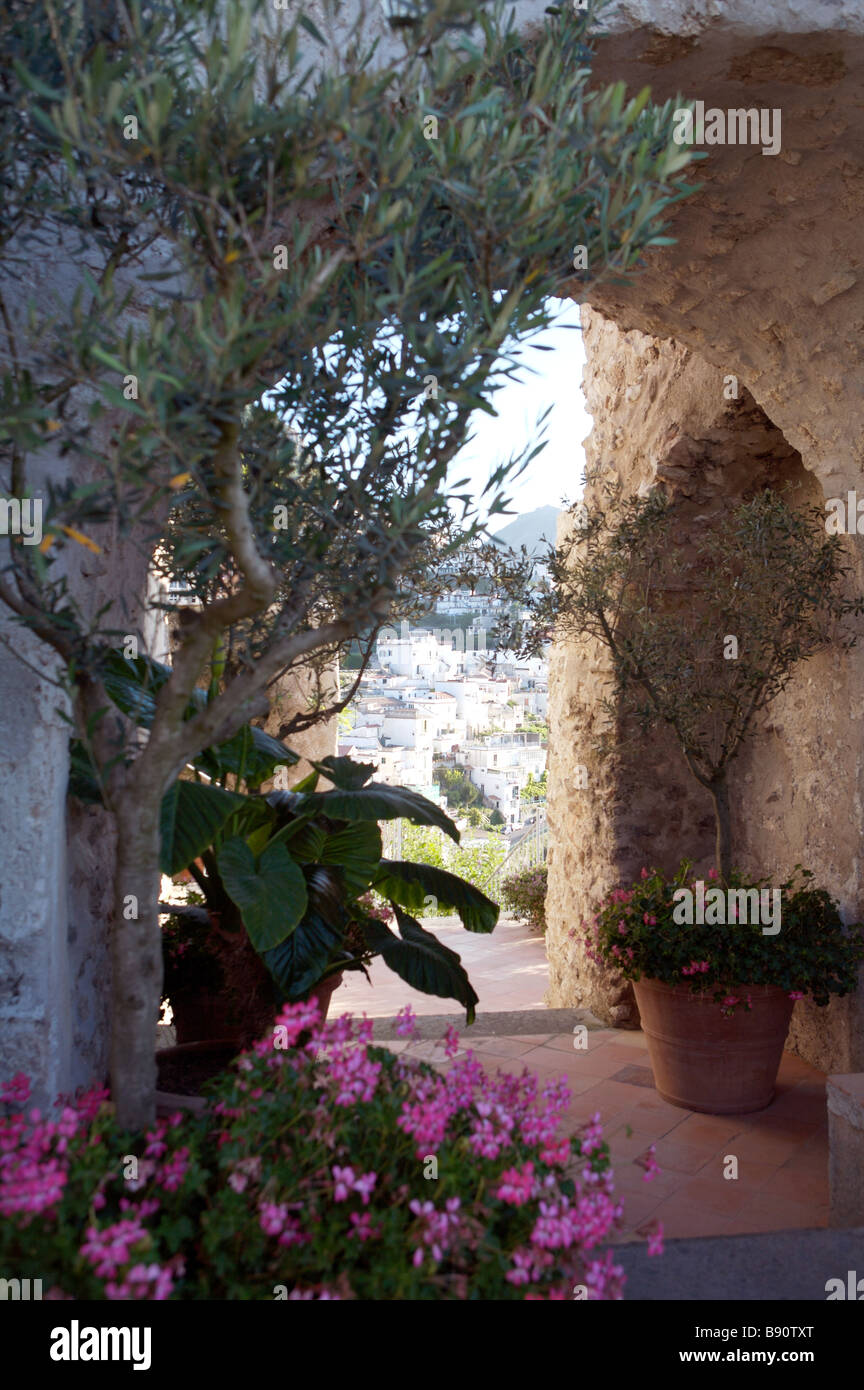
x: 304, y: 265
x: 703, y: 629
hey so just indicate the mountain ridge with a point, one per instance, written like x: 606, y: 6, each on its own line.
x: 529, y: 530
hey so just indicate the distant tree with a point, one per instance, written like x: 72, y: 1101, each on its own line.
x: 458, y: 787
x: 534, y: 790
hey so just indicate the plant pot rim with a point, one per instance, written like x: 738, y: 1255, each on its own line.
x: 204, y: 1045
x: 167, y: 1102
x: 681, y: 987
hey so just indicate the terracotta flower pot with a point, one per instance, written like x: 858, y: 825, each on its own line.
x: 193, y: 1063
x: 705, y: 1061
x: 200, y: 1016
x: 324, y: 991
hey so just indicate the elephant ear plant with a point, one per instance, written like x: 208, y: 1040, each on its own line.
x: 299, y: 865
x: 290, y: 873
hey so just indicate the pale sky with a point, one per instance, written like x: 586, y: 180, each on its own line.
x: 556, y: 473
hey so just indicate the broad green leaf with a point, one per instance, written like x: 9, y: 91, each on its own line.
x: 133, y: 683
x: 299, y: 962
x: 307, y: 845
x: 421, y: 960
x: 192, y: 814
x: 271, y: 894
x: 410, y: 884
x: 375, y: 802
x: 357, y: 851
x: 344, y: 773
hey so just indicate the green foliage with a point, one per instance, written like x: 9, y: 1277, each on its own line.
x: 246, y: 130
x: 274, y: 262
x: 813, y: 953
x: 412, y: 884
x: 474, y: 862
x: 299, y: 880
x: 269, y: 890
x: 534, y: 791
x: 299, y: 866
x: 763, y: 571
x: 457, y: 786
x: 664, y: 598
x: 524, y: 893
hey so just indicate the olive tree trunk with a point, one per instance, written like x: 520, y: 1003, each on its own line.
x: 723, y: 845
x: 136, y: 959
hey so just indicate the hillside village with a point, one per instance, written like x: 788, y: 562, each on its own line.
x: 440, y: 699
x: 432, y: 701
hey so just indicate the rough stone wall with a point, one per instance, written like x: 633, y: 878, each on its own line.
x: 55, y: 901
x: 766, y: 279
x: 290, y: 695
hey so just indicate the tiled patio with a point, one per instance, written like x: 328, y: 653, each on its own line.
x: 508, y: 969
x: 782, y: 1152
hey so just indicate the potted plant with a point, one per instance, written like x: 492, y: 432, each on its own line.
x: 299, y: 879
x: 283, y: 878
x: 704, y: 625
x: 716, y: 993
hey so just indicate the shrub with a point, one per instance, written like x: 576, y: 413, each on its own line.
x: 306, y: 1178
x: 524, y: 893
x: 635, y: 931
x: 475, y: 861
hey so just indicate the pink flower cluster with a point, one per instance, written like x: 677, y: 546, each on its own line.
x: 276, y: 1219
x: 122, y: 1244
x: 696, y: 967
x: 516, y: 1185
x: 351, y: 1074
x: 437, y: 1230
x: 512, y: 1121
x: 406, y: 1022
x: 648, y: 1161
x: 604, y: 1278
x: 34, y: 1151
x: 344, y: 1183
x: 574, y: 1224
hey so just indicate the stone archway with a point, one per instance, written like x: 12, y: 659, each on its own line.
x: 662, y: 414
x: 764, y: 288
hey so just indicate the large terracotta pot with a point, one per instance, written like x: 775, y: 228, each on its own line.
x: 711, y: 1063
x: 200, y: 1015
x: 207, y: 1058
x: 324, y: 991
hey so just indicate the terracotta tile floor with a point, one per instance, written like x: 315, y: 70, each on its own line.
x: 508, y: 969
x: 781, y: 1152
